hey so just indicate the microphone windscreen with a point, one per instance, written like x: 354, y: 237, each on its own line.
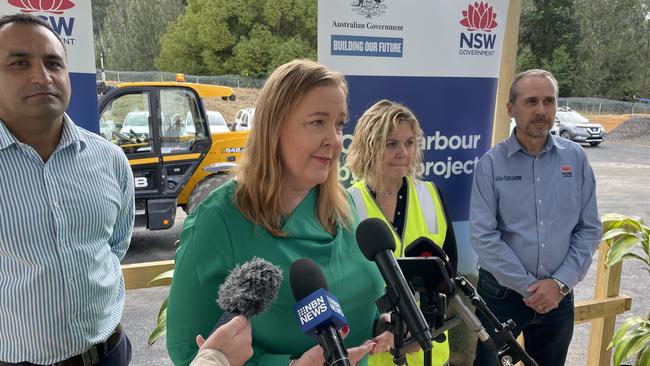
x: 250, y: 288
x: 306, y: 277
x: 374, y: 236
x: 425, y: 247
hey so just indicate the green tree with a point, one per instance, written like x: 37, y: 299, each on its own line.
x: 131, y: 32
x: 99, y: 8
x: 562, y: 66
x: 612, y: 51
x: 548, y: 38
x: 248, y: 37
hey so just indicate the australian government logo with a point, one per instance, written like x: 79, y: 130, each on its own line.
x: 479, y: 20
x: 369, y: 8
x: 371, y: 46
x: 53, y: 12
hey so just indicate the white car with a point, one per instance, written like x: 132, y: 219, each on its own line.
x: 217, y: 122
x: 244, y: 119
x: 136, y: 123
x: 554, y: 129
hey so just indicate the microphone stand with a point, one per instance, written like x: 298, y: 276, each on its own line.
x: 388, y: 303
x: 433, y: 308
x: 511, y: 352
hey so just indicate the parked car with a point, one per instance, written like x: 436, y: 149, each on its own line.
x: 554, y: 129
x: 216, y: 122
x: 574, y: 126
x: 244, y: 119
x: 136, y: 123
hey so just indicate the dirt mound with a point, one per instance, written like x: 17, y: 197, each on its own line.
x: 609, y: 121
x: 636, y: 129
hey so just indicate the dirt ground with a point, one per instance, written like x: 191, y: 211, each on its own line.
x: 245, y: 98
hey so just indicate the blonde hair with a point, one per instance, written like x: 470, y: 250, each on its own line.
x: 260, y: 172
x: 366, y: 152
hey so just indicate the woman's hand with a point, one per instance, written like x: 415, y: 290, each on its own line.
x: 386, y: 340
x: 314, y: 356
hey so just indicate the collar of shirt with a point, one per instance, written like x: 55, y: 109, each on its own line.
x: 513, y: 145
x: 70, y: 135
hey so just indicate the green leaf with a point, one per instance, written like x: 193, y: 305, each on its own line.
x: 612, y: 233
x: 163, y: 307
x: 621, y: 331
x: 622, y: 352
x: 641, y: 343
x: 165, y: 275
x: 619, y: 248
x: 635, y: 256
x: 161, y: 328
x: 644, y: 358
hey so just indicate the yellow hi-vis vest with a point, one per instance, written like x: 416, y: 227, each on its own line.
x: 424, y: 216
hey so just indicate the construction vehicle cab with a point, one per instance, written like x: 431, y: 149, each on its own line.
x: 162, y: 127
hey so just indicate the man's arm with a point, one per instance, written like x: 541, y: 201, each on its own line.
x: 123, y: 228
x: 586, y: 235
x: 494, y: 255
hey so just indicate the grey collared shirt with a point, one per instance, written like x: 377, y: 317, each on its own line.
x: 534, y: 217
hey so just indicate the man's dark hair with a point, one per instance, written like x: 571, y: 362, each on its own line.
x: 30, y: 20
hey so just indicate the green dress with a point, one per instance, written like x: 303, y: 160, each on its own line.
x: 217, y: 236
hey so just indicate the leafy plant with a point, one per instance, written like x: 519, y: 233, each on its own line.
x: 625, y: 236
x: 161, y: 323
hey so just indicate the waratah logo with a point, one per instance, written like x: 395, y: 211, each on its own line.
x: 48, y: 6
x: 479, y: 16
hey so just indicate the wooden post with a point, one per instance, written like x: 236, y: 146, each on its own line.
x: 501, y: 124
x: 608, y: 284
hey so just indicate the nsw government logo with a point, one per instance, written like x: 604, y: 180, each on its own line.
x: 369, y: 8
x: 479, y: 20
x: 48, y: 6
x: 62, y: 25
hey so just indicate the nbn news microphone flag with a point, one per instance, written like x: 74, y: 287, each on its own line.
x: 320, y: 307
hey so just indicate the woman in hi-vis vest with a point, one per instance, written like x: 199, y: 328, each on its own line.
x: 385, y: 158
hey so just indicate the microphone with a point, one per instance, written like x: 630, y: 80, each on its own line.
x: 376, y: 242
x: 424, y: 247
x: 318, y: 312
x: 248, y: 290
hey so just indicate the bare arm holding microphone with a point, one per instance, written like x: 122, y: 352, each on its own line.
x: 230, y: 345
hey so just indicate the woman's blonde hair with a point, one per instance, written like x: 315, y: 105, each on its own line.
x: 366, y: 152
x: 260, y: 172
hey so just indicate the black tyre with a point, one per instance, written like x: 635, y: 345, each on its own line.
x: 204, y: 188
x: 566, y: 135
x: 596, y: 143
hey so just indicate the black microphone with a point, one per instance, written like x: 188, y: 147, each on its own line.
x: 318, y: 312
x: 248, y: 290
x: 376, y: 241
x: 424, y: 247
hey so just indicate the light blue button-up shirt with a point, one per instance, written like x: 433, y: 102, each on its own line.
x: 64, y: 227
x: 534, y: 217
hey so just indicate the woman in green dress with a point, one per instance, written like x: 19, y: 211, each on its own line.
x: 284, y: 204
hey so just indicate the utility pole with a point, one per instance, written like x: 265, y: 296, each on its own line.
x: 647, y: 53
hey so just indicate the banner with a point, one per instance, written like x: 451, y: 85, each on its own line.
x: 439, y: 58
x: 73, y: 22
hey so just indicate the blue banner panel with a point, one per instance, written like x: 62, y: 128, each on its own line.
x: 366, y: 46
x: 83, y: 103
x: 455, y: 115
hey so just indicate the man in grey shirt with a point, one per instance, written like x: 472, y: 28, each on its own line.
x: 534, y: 224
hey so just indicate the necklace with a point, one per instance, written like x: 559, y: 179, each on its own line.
x: 385, y: 193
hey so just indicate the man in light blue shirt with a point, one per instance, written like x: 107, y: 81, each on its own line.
x: 66, y: 213
x: 533, y: 223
